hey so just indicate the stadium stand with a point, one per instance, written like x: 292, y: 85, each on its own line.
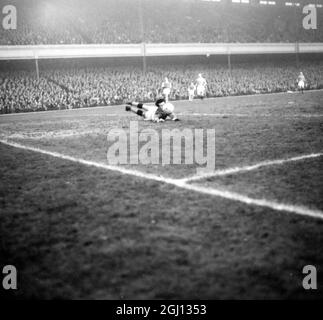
x: 152, y: 21
x: 169, y: 21
x: 63, y: 88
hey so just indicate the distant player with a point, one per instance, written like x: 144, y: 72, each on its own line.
x: 166, y: 88
x: 158, y: 113
x: 191, y: 91
x: 301, y: 82
x: 201, y: 86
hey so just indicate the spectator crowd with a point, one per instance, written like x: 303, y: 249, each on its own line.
x: 153, y: 21
x: 67, y: 88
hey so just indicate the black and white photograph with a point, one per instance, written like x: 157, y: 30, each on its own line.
x: 161, y: 150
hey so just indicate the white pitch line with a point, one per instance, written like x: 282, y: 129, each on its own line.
x: 300, y: 210
x: 221, y: 115
x: 55, y: 112
x: 196, y: 114
x: 89, y: 163
x: 52, y: 134
x: 224, y: 172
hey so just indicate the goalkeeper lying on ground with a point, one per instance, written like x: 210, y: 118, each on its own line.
x: 158, y: 113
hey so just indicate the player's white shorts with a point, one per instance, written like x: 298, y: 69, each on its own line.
x: 166, y: 91
x: 301, y: 84
x: 191, y: 94
x: 200, y: 90
x: 150, y: 114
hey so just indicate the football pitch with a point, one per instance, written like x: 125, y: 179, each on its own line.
x: 76, y: 226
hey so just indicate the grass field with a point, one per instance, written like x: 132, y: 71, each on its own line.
x: 77, y: 228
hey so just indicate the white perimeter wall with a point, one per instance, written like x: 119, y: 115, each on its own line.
x: 137, y: 50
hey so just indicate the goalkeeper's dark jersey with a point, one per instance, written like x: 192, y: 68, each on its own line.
x: 161, y: 114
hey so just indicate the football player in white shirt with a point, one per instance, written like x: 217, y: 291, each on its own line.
x: 191, y: 91
x: 158, y: 113
x: 166, y: 87
x: 201, y: 86
x: 301, y: 82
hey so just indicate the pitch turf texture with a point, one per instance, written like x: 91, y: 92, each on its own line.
x: 78, y: 231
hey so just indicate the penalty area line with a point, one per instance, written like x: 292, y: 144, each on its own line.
x: 99, y: 165
x: 234, y: 170
x: 245, y: 115
x: 296, y: 209
x: 300, y: 210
